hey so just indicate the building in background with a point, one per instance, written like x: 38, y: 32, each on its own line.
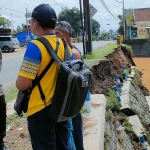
x: 139, y: 28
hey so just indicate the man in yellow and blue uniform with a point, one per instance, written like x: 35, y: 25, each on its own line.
x: 44, y: 133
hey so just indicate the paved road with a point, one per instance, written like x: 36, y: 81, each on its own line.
x: 12, y: 62
x: 96, y: 45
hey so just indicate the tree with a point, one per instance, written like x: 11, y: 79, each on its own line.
x: 105, y: 34
x: 19, y: 29
x: 120, y: 29
x: 95, y: 27
x: 73, y: 17
x: 129, y: 19
x: 4, y: 23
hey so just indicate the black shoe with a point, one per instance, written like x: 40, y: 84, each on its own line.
x: 3, y: 147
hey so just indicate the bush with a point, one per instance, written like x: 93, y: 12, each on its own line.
x: 135, y: 41
x: 93, y: 38
x: 129, y: 49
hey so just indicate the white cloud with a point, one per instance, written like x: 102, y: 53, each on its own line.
x: 102, y: 15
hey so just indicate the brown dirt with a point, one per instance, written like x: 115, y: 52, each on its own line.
x: 103, y: 74
x: 143, y: 65
x: 18, y: 137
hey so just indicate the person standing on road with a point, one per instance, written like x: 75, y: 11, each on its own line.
x: 2, y: 112
x: 63, y: 30
x: 44, y: 133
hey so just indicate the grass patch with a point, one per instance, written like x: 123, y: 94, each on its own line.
x: 137, y: 79
x: 16, y: 119
x: 11, y: 94
x: 112, y: 101
x: 102, y: 52
x: 94, y: 58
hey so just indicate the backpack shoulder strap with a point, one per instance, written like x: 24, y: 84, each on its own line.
x: 50, y: 50
x: 46, y: 68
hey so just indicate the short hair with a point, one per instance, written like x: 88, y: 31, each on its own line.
x: 65, y: 26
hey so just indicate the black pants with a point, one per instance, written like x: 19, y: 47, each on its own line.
x: 2, y: 118
x: 47, y: 135
x: 77, y: 134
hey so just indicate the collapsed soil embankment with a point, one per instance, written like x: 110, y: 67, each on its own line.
x: 104, y: 73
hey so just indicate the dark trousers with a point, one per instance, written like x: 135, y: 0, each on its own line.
x: 2, y: 118
x: 47, y: 135
x: 77, y: 132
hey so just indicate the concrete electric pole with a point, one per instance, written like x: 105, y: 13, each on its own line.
x: 124, y: 21
x: 87, y: 26
x: 82, y: 26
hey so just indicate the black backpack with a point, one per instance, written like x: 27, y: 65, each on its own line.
x: 72, y: 85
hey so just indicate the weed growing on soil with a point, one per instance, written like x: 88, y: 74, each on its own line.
x: 16, y: 119
x: 129, y: 49
x: 112, y: 101
x: 137, y: 79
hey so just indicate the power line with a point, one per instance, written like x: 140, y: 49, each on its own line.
x: 114, y: 4
x: 12, y: 9
x: 118, y: 1
x: 11, y: 13
x: 108, y: 10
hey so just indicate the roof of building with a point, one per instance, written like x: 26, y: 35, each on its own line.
x: 142, y: 14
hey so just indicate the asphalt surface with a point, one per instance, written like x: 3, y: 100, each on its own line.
x: 12, y: 62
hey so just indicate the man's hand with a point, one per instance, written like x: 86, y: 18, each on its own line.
x: 76, y: 54
x: 23, y: 83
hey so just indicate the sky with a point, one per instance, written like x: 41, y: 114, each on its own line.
x: 15, y: 10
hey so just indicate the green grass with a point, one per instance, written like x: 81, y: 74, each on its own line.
x: 112, y: 101
x: 16, y: 119
x: 11, y: 94
x: 94, y: 58
x: 102, y: 52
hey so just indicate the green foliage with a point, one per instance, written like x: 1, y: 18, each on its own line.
x: 95, y: 27
x: 90, y: 56
x: 19, y: 29
x: 112, y: 101
x: 4, y: 23
x: 135, y: 41
x: 128, y: 126
x: 129, y: 49
x: 72, y: 16
x: 129, y: 18
x: 120, y: 29
x: 105, y: 34
x: 93, y: 38
x: 137, y: 79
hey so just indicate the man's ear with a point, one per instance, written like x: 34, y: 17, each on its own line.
x: 67, y: 34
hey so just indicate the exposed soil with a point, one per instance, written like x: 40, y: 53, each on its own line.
x: 18, y: 137
x: 104, y: 73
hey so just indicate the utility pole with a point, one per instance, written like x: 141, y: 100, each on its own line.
x: 87, y: 25
x: 124, y: 22
x: 123, y: 17
x: 27, y: 25
x: 82, y: 27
